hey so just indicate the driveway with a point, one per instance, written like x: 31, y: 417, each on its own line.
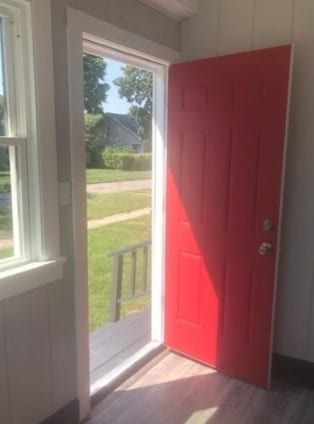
x: 119, y: 186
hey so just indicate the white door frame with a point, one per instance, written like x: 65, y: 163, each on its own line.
x: 90, y: 31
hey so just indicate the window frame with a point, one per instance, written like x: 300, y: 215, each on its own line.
x: 32, y: 135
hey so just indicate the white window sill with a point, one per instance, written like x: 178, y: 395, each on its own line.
x: 26, y: 277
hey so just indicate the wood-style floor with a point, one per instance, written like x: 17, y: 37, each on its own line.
x: 176, y: 390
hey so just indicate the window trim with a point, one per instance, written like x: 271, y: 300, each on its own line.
x: 42, y: 263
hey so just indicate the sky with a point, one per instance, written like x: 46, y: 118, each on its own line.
x: 114, y: 104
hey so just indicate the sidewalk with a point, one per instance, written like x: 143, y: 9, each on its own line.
x: 100, y: 188
x: 96, y: 223
x: 119, y: 186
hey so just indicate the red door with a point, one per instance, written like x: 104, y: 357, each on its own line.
x: 227, y: 122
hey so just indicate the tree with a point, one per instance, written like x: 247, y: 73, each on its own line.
x: 95, y: 139
x: 136, y: 85
x: 2, y: 115
x: 4, y: 151
x: 95, y: 89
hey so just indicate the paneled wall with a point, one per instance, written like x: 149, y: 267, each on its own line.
x: 37, y: 329
x: 227, y: 26
x: 136, y: 17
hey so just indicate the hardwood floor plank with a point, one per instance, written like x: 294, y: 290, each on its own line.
x: 177, y: 390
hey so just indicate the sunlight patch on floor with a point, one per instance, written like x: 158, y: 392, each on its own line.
x: 202, y: 416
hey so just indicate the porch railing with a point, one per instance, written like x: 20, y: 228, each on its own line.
x: 139, y: 285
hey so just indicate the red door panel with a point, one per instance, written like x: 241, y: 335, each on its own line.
x: 226, y: 132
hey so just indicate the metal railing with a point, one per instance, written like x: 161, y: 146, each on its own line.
x: 137, y: 288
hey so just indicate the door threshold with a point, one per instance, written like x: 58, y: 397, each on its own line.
x: 105, y: 385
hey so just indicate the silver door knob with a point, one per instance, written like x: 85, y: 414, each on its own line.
x: 265, y: 249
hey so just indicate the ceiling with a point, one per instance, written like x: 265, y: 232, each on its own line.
x: 175, y: 9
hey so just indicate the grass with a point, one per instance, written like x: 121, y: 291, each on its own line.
x: 102, y: 205
x: 6, y: 253
x: 5, y: 223
x: 4, y: 179
x: 110, y: 175
x: 102, y: 241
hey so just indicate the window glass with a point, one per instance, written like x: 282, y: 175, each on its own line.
x: 3, y: 102
x: 13, y: 159
x: 6, y: 218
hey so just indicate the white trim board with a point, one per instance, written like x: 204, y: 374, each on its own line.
x: 117, y: 38
x: 101, y: 33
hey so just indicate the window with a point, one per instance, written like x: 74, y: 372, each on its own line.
x: 28, y: 179
x: 14, y: 220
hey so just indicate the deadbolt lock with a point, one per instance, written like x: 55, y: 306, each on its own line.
x: 267, y: 225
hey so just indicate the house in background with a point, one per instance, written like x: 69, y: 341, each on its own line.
x: 121, y: 131
x: 39, y: 356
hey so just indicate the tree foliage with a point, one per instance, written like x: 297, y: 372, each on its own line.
x: 95, y: 139
x: 4, y: 151
x: 95, y: 88
x: 2, y: 115
x: 136, y: 86
x: 94, y: 130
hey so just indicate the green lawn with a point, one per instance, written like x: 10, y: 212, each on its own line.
x: 4, y: 180
x: 109, y: 175
x: 5, y: 223
x: 102, y: 241
x: 6, y: 253
x: 99, y: 206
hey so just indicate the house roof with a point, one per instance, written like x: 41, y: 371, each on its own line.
x: 128, y: 123
x: 125, y: 120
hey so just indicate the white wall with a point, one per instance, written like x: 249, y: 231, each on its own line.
x: 227, y: 26
x: 135, y: 17
x: 37, y: 354
x: 37, y: 329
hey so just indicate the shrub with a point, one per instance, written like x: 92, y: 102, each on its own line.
x: 95, y: 158
x: 95, y: 140
x: 4, y: 158
x: 111, y: 158
x: 136, y: 162
x: 94, y: 130
x: 126, y: 160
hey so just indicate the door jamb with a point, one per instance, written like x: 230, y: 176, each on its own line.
x: 80, y: 27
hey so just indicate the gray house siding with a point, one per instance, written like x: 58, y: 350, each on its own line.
x: 116, y: 134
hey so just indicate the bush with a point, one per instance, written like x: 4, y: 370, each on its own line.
x: 5, y: 187
x: 94, y: 130
x: 111, y: 158
x: 4, y: 158
x: 95, y: 158
x: 127, y: 161
x: 136, y: 162
x: 95, y: 140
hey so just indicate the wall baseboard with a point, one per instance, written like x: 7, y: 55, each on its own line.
x: 293, y: 370
x: 67, y: 415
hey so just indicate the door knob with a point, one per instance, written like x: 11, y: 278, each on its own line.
x: 265, y: 249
